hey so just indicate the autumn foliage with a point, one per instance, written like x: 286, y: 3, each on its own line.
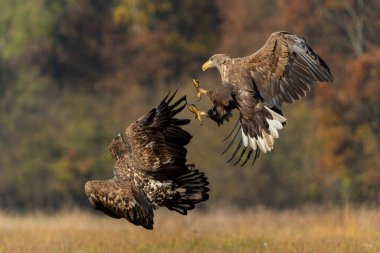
x: 75, y: 73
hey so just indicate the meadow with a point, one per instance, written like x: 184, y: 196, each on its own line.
x: 309, y: 229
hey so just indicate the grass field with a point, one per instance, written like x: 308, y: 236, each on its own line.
x: 257, y: 230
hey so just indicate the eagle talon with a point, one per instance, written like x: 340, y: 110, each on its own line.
x: 198, y: 114
x: 199, y: 90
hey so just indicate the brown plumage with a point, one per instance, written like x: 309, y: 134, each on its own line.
x: 151, y: 171
x: 282, y: 71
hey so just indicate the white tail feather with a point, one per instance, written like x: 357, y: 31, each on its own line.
x: 265, y: 141
x: 273, y: 131
x: 245, y: 139
x: 252, y: 143
x: 261, y: 144
x: 268, y: 139
x: 276, y: 116
x: 276, y: 124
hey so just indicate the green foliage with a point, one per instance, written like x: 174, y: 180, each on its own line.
x: 23, y: 25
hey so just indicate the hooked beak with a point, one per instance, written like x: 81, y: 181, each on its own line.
x: 207, y: 65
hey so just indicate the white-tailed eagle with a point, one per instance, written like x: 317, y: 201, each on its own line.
x: 151, y: 171
x: 282, y: 71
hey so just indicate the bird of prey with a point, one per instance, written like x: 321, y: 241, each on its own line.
x: 282, y: 71
x: 151, y: 171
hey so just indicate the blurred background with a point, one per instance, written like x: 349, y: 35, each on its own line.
x: 73, y: 74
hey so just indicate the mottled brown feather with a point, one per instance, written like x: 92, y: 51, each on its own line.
x: 158, y: 143
x: 121, y: 199
x: 142, y: 180
x: 284, y: 69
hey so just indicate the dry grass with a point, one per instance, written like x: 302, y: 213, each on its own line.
x: 258, y: 230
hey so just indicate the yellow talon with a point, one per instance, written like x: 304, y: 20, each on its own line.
x: 198, y: 88
x: 198, y: 114
x: 196, y: 83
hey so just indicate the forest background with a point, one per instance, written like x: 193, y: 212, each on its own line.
x: 73, y: 74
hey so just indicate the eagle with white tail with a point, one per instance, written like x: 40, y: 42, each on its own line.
x: 151, y: 171
x: 282, y: 71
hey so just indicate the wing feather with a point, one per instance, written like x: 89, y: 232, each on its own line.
x: 285, y: 68
x: 157, y: 139
x: 121, y: 200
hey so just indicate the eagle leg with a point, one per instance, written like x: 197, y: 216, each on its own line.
x: 199, y: 90
x: 198, y: 114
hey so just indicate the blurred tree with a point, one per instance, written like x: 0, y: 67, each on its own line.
x: 355, y: 18
x: 78, y: 58
x: 25, y: 28
x: 74, y: 73
x: 346, y: 116
x: 164, y: 38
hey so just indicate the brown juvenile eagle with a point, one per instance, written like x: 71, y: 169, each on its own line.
x: 151, y: 171
x: 282, y: 71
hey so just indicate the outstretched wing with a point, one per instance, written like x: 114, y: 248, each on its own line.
x: 121, y: 200
x: 157, y: 139
x: 285, y: 68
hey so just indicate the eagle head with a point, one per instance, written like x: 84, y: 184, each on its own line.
x: 216, y: 60
x: 117, y: 147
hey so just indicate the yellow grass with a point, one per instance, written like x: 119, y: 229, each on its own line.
x: 220, y: 230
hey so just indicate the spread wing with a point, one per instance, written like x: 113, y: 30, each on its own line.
x: 157, y: 139
x: 285, y: 68
x: 121, y: 200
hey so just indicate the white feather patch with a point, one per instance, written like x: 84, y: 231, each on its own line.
x: 261, y: 144
x: 273, y: 131
x: 265, y: 142
x: 268, y: 141
x: 276, y: 124
x: 245, y: 138
x: 276, y: 116
x: 252, y: 143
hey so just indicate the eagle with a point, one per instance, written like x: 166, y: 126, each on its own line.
x: 151, y: 171
x: 281, y: 71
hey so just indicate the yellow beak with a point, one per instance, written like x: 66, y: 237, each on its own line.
x: 206, y: 65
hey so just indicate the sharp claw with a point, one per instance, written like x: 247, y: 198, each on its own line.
x: 196, y: 83
x: 198, y: 88
x: 191, y: 108
x: 197, y: 114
